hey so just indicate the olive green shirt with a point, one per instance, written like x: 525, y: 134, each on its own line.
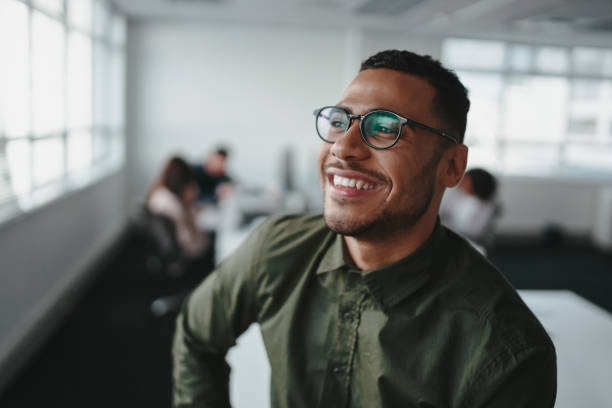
x: 439, y: 328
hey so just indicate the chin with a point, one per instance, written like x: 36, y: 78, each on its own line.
x: 345, y: 226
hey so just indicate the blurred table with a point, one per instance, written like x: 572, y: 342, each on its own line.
x: 582, y: 334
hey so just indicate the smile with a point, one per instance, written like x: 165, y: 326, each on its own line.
x: 352, y: 183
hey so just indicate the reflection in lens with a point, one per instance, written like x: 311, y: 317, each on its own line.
x: 331, y: 123
x: 381, y: 128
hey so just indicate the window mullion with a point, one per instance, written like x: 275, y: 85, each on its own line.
x: 562, y: 148
x: 31, y: 96
x: 66, y: 95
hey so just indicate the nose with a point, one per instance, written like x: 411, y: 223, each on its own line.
x: 350, y: 146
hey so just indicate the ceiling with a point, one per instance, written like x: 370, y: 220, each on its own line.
x: 541, y: 18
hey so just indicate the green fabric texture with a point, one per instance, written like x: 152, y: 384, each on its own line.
x: 439, y: 328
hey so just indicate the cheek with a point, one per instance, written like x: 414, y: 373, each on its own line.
x: 400, y: 170
x: 409, y: 175
x: 323, y: 153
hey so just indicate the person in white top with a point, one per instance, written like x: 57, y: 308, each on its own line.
x: 472, y: 208
x: 174, y: 196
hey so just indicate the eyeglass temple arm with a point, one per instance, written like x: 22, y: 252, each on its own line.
x: 436, y: 131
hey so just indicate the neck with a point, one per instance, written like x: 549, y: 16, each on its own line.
x: 374, y: 252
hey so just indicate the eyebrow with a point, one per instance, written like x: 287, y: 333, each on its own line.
x: 346, y: 108
x: 349, y: 110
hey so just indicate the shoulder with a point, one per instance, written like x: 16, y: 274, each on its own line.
x: 162, y: 201
x: 480, y: 287
x: 278, y: 255
x: 503, y: 331
x: 280, y: 239
x: 468, y: 272
x: 289, y: 237
x: 200, y: 173
x: 161, y: 193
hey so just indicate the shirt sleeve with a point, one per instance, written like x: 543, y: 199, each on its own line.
x: 531, y: 383
x: 213, y: 317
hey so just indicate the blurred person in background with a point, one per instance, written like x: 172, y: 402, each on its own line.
x: 471, y: 209
x: 373, y: 303
x: 212, y: 178
x: 174, y: 195
x: 215, y: 185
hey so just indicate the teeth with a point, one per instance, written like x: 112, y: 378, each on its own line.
x: 353, y: 183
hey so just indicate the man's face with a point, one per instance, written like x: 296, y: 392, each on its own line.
x: 396, y: 184
x: 216, y: 164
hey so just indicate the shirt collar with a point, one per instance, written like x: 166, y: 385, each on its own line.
x: 335, y: 258
x: 392, y: 283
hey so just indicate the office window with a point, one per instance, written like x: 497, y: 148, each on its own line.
x: 536, y: 110
x: 48, y: 159
x: 462, y: 53
x: 79, y: 85
x: 48, y: 40
x: 590, y: 61
x: 14, y: 70
x: 80, y: 14
x: 521, y: 57
x: 79, y: 150
x: 552, y: 60
x: 62, y: 71
x: 52, y: 6
x: 533, y: 108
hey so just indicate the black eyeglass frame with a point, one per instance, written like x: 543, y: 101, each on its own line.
x: 403, y: 121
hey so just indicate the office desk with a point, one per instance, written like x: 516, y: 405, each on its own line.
x: 582, y: 334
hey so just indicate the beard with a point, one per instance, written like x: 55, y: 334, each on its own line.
x: 389, y: 221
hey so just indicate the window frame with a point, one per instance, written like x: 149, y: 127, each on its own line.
x: 563, y: 167
x: 37, y: 194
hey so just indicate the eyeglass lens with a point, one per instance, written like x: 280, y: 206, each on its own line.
x: 379, y: 128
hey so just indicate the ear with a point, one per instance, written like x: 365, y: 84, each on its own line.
x: 453, y: 164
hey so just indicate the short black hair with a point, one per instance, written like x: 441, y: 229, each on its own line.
x: 222, y: 151
x: 451, y: 101
x: 483, y: 183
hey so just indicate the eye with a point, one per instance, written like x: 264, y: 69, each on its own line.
x: 380, y: 128
x: 337, y: 120
x: 384, y: 129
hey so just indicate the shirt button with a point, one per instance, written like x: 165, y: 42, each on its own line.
x: 347, y: 316
x: 337, y: 369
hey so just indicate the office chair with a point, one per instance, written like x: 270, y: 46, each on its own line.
x: 162, y: 259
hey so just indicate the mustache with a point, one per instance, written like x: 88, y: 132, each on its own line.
x: 354, y: 167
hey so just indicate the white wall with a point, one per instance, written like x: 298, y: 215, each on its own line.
x: 531, y: 204
x: 44, y: 255
x: 191, y: 86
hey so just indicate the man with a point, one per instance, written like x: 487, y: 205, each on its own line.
x: 472, y: 209
x: 211, y: 176
x: 214, y: 184
x: 375, y: 304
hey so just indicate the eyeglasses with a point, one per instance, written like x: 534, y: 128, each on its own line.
x: 380, y: 129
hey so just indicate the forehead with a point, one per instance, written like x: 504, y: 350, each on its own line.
x: 402, y: 93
